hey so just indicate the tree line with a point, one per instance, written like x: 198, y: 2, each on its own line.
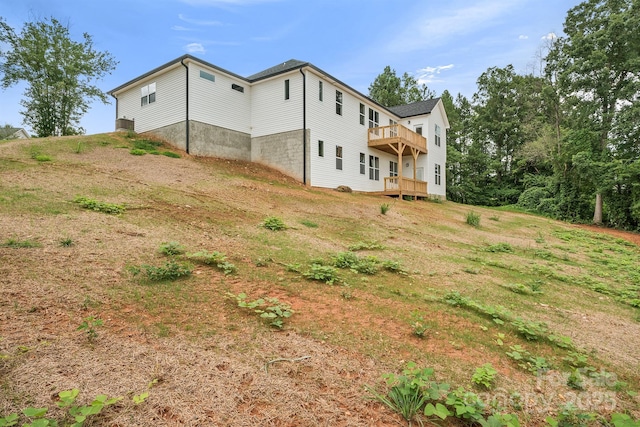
x: 563, y: 142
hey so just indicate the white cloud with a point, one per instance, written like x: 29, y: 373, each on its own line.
x: 550, y: 36
x: 429, y: 74
x: 198, y: 21
x: 180, y: 28
x: 432, y: 29
x: 195, y: 48
x: 523, y: 37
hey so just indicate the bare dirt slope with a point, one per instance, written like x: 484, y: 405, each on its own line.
x: 210, y: 362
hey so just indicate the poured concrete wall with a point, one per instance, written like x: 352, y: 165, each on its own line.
x: 282, y: 151
x: 176, y: 134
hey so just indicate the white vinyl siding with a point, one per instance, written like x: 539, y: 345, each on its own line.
x: 347, y: 132
x: 217, y: 103
x: 271, y: 113
x: 168, y: 108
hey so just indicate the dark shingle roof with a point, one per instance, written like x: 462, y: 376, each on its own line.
x: 415, y: 108
x: 283, y: 67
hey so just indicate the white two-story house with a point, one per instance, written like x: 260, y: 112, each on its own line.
x: 293, y: 117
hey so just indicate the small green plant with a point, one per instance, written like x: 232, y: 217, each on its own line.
x: 94, y: 205
x: 89, y: 325
x: 66, y: 242
x: 394, y: 267
x: 171, y: 154
x: 16, y: 244
x: 140, y: 398
x: 171, y: 248
x: 466, y: 405
x: 575, y: 380
x: 405, y: 395
x: 170, y: 271
x: 137, y: 152
x: 570, y: 416
x: 269, y: 308
x: 530, y: 330
x: 274, y: 223
x: 485, y: 375
x: 500, y: 247
x: 473, y: 219
x: 216, y: 259
x: 527, y: 361
x: 346, y: 260
x: 322, y: 273
x: 366, y: 246
x: 418, y: 325
x: 346, y: 292
x: 384, y: 208
x: 309, y: 224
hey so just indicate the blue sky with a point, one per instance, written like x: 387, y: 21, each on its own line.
x: 445, y: 44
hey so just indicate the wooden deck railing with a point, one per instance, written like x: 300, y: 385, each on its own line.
x: 409, y: 186
x: 383, y: 135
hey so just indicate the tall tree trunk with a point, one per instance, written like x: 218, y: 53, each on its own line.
x: 597, y: 213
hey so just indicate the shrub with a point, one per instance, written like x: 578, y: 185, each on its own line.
x: 171, y: 248
x: 500, y: 247
x: 171, y: 270
x: 94, y: 205
x: 473, y: 219
x: 274, y: 223
x: 270, y: 309
x: 384, y: 208
x: 485, y: 375
x: 346, y: 260
x: 322, y: 273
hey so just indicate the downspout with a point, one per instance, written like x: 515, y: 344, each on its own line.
x: 304, y: 127
x: 187, y: 106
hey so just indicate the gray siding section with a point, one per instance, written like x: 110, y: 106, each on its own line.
x: 282, y: 151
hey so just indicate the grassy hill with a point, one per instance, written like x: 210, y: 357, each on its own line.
x: 94, y: 230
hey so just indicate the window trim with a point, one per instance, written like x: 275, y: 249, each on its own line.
x: 438, y: 174
x: 320, y: 91
x: 320, y: 148
x: 287, y: 93
x: 393, y: 168
x: 362, y: 114
x: 148, y: 94
x: 437, y: 139
x: 363, y: 164
x: 374, y: 168
x: 339, y: 154
x: 339, y: 102
x: 207, y: 76
x: 237, y: 87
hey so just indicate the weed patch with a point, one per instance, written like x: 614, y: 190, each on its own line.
x: 272, y: 310
x: 94, y: 205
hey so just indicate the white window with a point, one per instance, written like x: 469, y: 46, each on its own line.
x: 374, y: 168
x: 362, y: 119
x: 338, y: 157
x: 418, y: 129
x: 320, y: 148
x: 374, y: 118
x: 286, y: 89
x: 438, y: 176
x: 393, y: 130
x: 437, y: 139
x: 338, y: 102
x: 363, y: 165
x: 148, y: 94
x: 393, y: 168
x: 237, y: 87
x: 320, y: 91
x: 207, y: 76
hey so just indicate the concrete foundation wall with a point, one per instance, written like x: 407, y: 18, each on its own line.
x: 176, y: 134
x: 282, y: 151
x: 214, y: 141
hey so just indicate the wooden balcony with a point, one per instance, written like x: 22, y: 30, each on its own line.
x: 401, y: 186
x: 397, y: 139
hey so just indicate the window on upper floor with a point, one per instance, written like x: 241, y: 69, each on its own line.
x: 148, y: 94
x: 338, y: 102
x: 374, y: 118
x: 438, y: 176
x: 320, y: 95
x: 363, y: 164
x: 237, y: 87
x: 437, y: 138
x: 338, y: 157
x: 362, y: 118
x: 207, y: 76
x: 286, y: 89
x: 320, y: 148
x: 393, y: 130
x: 418, y: 129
